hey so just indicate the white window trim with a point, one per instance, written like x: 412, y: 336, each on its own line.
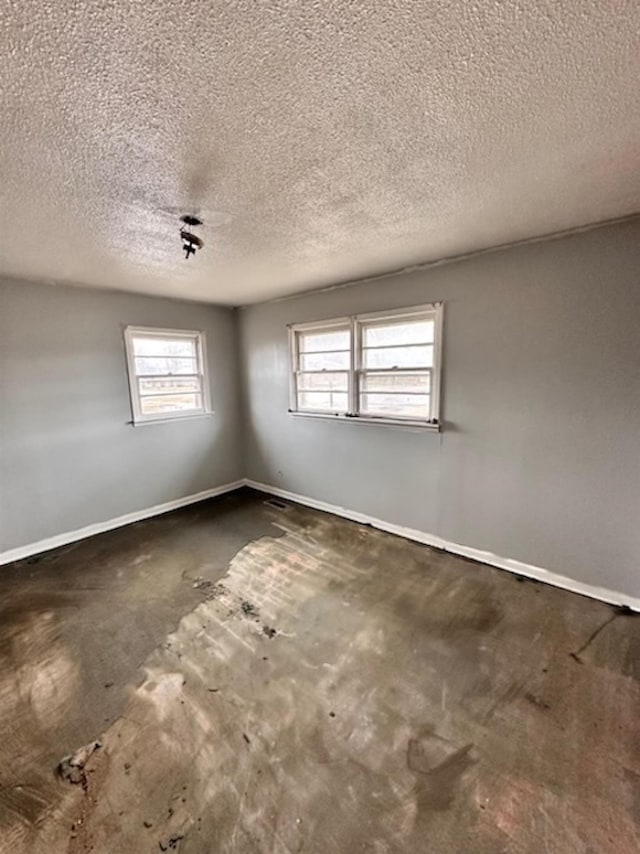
x: 354, y: 322
x: 138, y: 419
x: 335, y: 323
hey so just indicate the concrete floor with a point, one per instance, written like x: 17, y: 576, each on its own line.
x: 266, y: 679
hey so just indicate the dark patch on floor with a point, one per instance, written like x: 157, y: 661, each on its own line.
x: 441, y: 766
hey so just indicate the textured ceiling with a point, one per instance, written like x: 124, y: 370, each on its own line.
x: 320, y: 140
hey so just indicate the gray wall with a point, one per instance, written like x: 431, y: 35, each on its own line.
x: 540, y: 457
x: 68, y: 457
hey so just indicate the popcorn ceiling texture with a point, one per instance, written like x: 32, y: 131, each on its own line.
x: 320, y: 141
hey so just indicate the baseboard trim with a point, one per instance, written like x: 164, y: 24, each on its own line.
x: 65, y: 539
x: 517, y: 567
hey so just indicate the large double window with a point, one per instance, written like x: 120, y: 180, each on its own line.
x: 375, y: 367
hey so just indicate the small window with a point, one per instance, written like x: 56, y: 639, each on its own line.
x: 374, y: 367
x: 167, y: 374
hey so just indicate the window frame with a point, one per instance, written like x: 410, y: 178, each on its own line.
x: 355, y: 323
x: 196, y: 335
x: 338, y: 323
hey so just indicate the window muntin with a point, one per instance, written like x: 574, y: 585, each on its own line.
x: 167, y: 373
x: 381, y: 367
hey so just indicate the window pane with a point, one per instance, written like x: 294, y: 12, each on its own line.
x: 339, y: 360
x: 396, y: 382
x: 407, y: 405
x: 324, y: 382
x: 402, y: 332
x: 399, y: 357
x: 144, y: 346
x: 166, y: 385
x: 160, y: 365
x: 170, y: 403
x: 334, y: 339
x: 323, y: 401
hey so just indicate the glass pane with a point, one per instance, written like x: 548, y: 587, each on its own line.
x: 144, y: 346
x: 170, y: 403
x: 166, y: 385
x: 323, y: 401
x: 402, y: 332
x: 334, y: 339
x: 324, y: 381
x: 160, y: 365
x: 339, y: 360
x: 396, y: 382
x: 406, y: 405
x: 399, y: 357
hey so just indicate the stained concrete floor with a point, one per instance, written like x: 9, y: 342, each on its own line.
x: 274, y: 679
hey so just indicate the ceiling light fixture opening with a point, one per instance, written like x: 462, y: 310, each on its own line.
x: 190, y: 241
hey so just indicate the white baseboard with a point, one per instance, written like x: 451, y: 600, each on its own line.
x: 515, y: 566
x: 100, y: 527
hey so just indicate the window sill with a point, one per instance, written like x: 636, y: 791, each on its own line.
x: 362, y: 419
x: 176, y: 419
